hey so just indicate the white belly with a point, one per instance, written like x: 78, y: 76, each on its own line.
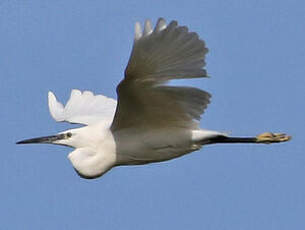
x: 136, y: 147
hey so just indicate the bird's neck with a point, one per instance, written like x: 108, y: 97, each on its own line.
x: 95, y: 152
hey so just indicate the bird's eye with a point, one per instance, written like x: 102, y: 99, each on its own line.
x: 69, y: 134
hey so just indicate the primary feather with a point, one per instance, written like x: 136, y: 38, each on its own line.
x: 168, y: 52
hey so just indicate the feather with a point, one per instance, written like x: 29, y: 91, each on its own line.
x: 82, y: 107
x: 169, y: 52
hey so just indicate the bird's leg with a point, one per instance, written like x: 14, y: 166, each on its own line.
x: 264, y: 138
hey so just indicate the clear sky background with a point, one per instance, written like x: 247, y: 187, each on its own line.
x: 256, y: 63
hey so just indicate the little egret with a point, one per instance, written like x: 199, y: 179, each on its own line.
x: 151, y: 121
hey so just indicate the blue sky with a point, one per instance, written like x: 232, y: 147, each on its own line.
x: 256, y: 64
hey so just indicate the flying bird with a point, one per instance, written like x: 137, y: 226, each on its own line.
x: 151, y: 121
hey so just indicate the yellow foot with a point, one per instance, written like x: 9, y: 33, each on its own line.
x: 268, y: 138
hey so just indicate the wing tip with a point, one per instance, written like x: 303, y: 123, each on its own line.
x: 161, y: 24
x: 147, y: 28
x: 55, y: 107
x: 75, y: 92
x: 137, y: 31
x: 52, y: 100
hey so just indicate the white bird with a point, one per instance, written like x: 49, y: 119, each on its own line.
x: 151, y: 121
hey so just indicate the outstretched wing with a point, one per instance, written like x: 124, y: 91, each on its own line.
x: 82, y: 108
x: 165, y: 53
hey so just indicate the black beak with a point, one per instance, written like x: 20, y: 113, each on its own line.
x: 45, y: 140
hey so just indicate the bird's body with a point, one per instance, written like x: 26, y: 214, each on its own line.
x: 151, y: 121
x: 98, y: 152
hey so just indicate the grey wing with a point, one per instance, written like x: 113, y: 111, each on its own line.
x: 165, y: 53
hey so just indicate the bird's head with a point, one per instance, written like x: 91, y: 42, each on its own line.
x: 86, y: 136
x: 66, y: 138
x: 94, y: 152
